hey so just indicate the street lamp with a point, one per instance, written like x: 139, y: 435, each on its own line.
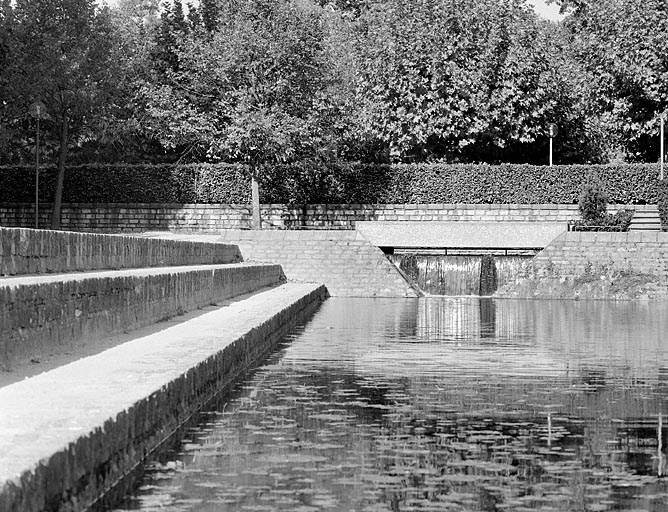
x: 661, y: 149
x: 552, y: 131
x: 37, y: 111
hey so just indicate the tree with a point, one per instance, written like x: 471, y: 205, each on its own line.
x: 620, y: 45
x: 60, y: 55
x: 456, y: 79
x: 255, y: 91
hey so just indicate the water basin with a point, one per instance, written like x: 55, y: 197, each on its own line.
x: 432, y: 404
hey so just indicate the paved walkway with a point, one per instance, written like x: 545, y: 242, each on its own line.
x: 455, y: 234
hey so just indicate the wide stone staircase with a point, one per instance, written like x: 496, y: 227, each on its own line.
x: 646, y: 220
x: 164, y: 325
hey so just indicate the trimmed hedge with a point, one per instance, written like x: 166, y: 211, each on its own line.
x: 500, y: 184
x: 197, y: 183
x: 339, y: 183
x: 662, y: 203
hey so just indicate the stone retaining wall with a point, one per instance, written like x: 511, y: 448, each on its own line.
x: 30, y: 251
x: 42, y: 315
x: 573, y: 253
x: 348, y: 264
x: 112, y: 218
x: 84, y: 471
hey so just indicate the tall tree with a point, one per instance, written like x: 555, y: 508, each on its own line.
x: 454, y: 79
x: 621, y: 47
x: 255, y: 91
x: 209, y: 10
x: 60, y: 55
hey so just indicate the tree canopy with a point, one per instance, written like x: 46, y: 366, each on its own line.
x: 310, y: 83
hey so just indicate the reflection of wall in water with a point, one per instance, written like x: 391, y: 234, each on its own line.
x: 471, y: 319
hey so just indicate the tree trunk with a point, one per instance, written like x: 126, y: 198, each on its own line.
x: 60, y: 177
x: 256, y: 221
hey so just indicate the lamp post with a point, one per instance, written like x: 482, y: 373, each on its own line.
x: 552, y: 131
x: 37, y: 111
x: 661, y: 149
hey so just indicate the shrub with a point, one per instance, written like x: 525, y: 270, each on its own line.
x: 619, y: 221
x: 593, y: 202
x: 340, y: 182
x: 662, y: 203
x: 593, y: 206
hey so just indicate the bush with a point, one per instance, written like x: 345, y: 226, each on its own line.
x: 593, y: 202
x: 593, y: 206
x: 201, y: 183
x: 335, y: 183
x: 619, y: 221
x: 662, y: 203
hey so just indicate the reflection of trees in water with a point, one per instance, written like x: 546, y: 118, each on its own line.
x: 352, y: 401
x: 487, y: 318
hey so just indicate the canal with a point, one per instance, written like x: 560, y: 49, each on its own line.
x: 437, y: 404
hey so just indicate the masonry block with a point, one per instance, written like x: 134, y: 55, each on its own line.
x: 30, y: 251
x: 44, y: 314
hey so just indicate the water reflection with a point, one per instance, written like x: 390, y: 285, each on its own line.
x: 438, y: 404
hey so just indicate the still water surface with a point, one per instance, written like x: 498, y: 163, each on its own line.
x: 443, y: 404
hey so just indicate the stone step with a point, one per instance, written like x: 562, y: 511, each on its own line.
x: 69, y: 435
x: 45, y: 314
x: 36, y: 251
x: 645, y: 220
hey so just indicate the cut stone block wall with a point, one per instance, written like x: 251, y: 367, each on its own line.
x: 111, y: 218
x: 40, y: 315
x: 31, y: 251
x: 571, y: 253
x: 348, y: 264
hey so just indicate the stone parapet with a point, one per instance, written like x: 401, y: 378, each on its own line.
x: 42, y: 315
x: 127, y: 217
x: 31, y: 251
x: 70, y: 436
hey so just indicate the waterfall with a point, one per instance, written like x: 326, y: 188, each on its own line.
x: 462, y: 274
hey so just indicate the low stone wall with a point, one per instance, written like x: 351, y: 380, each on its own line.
x: 348, y: 264
x: 112, y: 218
x: 587, y: 265
x: 572, y: 253
x: 42, y: 315
x: 31, y: 251
x: 66, y: 447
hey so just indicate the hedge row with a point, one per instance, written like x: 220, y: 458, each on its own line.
x: 201, y: 183
x: 662, y: 203
x: 341, y: 183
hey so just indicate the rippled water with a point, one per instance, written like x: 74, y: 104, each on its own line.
x: 438, y: 404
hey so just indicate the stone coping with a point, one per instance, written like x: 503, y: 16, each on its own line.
x: 37, y: 279
x: 616, y: 237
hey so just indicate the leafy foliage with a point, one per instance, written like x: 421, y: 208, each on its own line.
x: 316, y: 98
x: 339, y: 183
x: 593, y: 203
x: 662, y: 203
x: 593, y: 206
x: 620, y: 47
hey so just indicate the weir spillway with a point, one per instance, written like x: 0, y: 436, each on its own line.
x: 460, y: 258
x: 459, y: 274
